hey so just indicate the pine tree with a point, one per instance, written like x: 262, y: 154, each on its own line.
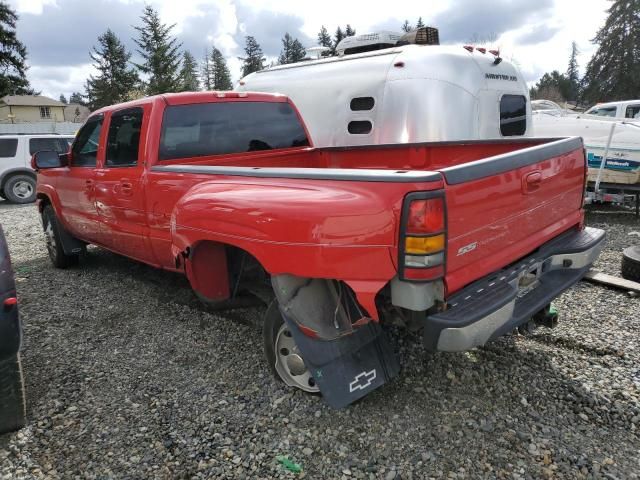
x: 324, y: 39
x: 406, y: 26
x: 76, y: 97
x: 553, y: 86
x: 63, y: 99
x: 419, y: 23
x: 189, y: 73
x: 349, y: 32
x: 159, y: 52
x: 613, y: 73
x: 115, y: 79
x: 292, y: 50
x: 13, y: 56
x: 573, y: 74
x: 337, y: 37
x: 220, y: 75
x: 254, y: 60
x: 205, y: 72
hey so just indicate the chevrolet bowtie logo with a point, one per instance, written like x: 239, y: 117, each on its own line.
x: 362, y: 381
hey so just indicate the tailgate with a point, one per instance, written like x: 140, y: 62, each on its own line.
x: 504, y: 207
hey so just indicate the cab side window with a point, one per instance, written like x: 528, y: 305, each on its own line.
x: 123, y: 140
x: 85, y: 148
x: 8, y: 147
x: 633, y: 111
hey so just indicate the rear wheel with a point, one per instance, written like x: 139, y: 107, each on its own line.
x: 12, y: 398
x: 283, y: 356
x: 58, y: 257
x: 631, y: 264
x: 20, y: 189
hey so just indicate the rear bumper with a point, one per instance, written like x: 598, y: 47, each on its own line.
x: 499, y: 302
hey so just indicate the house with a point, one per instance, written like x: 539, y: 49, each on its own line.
x: 30, y: 109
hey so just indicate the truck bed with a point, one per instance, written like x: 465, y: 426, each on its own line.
x: 494, y: 215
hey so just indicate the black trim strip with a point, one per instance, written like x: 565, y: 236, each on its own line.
x: 505, y: 162
x: 352, y: 174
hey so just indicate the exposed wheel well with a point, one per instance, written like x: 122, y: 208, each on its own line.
x: 218, y: 271
x: 43, y: 201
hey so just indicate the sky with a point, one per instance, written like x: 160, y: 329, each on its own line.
x: 537, y: 35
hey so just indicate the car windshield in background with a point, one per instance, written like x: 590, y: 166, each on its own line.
x: 222, y: 128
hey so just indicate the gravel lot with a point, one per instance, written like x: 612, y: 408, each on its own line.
x: 127, y: 377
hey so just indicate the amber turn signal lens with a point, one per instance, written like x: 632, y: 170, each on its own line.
x: 423, y: 245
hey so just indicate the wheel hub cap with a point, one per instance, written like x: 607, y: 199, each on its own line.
x: 290, y: 364
x: 23, y: 190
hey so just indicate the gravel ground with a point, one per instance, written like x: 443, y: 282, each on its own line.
x: 127, y: 378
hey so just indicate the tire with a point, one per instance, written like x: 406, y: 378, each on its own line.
x: 2, y: 195
x: 51, y: 227
x: 20, y: 189
x: 631, y: 264
x: 12, y: 398
x: 277, y: 336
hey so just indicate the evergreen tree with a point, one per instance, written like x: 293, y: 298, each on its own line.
x: 63, y: 99
x: 13, y: 56
x: 553, y: 86
x: 337, y: 37
x: 220, y: 75
x: 613, y: 73
x: 76, y: 97
x: 419, y: 23
x: 406, y: 26
x: 115, y: 79
x: 349, y: 32
x: 189, y: 73
x: 292, y: 50
x: 573, y: 74
x: 205, y: 72
x: 159, y: 52
x: 324, y: 39
x: 254, y: 60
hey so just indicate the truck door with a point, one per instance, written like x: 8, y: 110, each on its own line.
x: 119, y: 189
x: 75, y: 185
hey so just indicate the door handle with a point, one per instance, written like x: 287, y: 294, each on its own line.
x: 89, y: 183
x: 531, y: 182
x: 126, y: 188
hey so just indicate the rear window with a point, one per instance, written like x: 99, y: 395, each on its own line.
x: 8, y: 147
x: 57, y: 144
x: 513, y: 115
x: 221, y: 128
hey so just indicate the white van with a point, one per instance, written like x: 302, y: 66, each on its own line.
x: 398, y: 91
x: 629, y: 109
x: 17, y: 179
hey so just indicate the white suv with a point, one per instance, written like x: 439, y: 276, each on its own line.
x: 17, y: 179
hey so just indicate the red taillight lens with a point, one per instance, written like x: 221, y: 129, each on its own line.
x: 426, y: 216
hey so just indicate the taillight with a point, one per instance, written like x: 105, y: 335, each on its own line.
x: 423, y: 237
x: 426, y: 216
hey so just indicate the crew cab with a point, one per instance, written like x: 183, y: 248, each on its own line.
x: 465, y: 240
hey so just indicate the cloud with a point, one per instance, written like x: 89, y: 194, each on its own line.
x: 466, y: 19
x: 537, y: 34
x: 268, y: 28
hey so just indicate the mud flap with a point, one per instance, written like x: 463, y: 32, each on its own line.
x: 348, y: 367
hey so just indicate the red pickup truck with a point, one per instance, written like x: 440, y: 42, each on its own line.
x: 465, y: 240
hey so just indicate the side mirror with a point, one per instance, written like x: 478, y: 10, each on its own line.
x: 48, y: 159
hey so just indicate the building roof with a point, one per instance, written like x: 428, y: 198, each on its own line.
x: 31, y: 100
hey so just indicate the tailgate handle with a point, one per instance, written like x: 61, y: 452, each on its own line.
x: 531, y: 182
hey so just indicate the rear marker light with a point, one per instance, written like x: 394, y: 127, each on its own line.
x: 10, y: 302
x: 482, y: 50
x: 468, y: 48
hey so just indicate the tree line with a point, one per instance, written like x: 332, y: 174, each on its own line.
x: 612, y: 73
